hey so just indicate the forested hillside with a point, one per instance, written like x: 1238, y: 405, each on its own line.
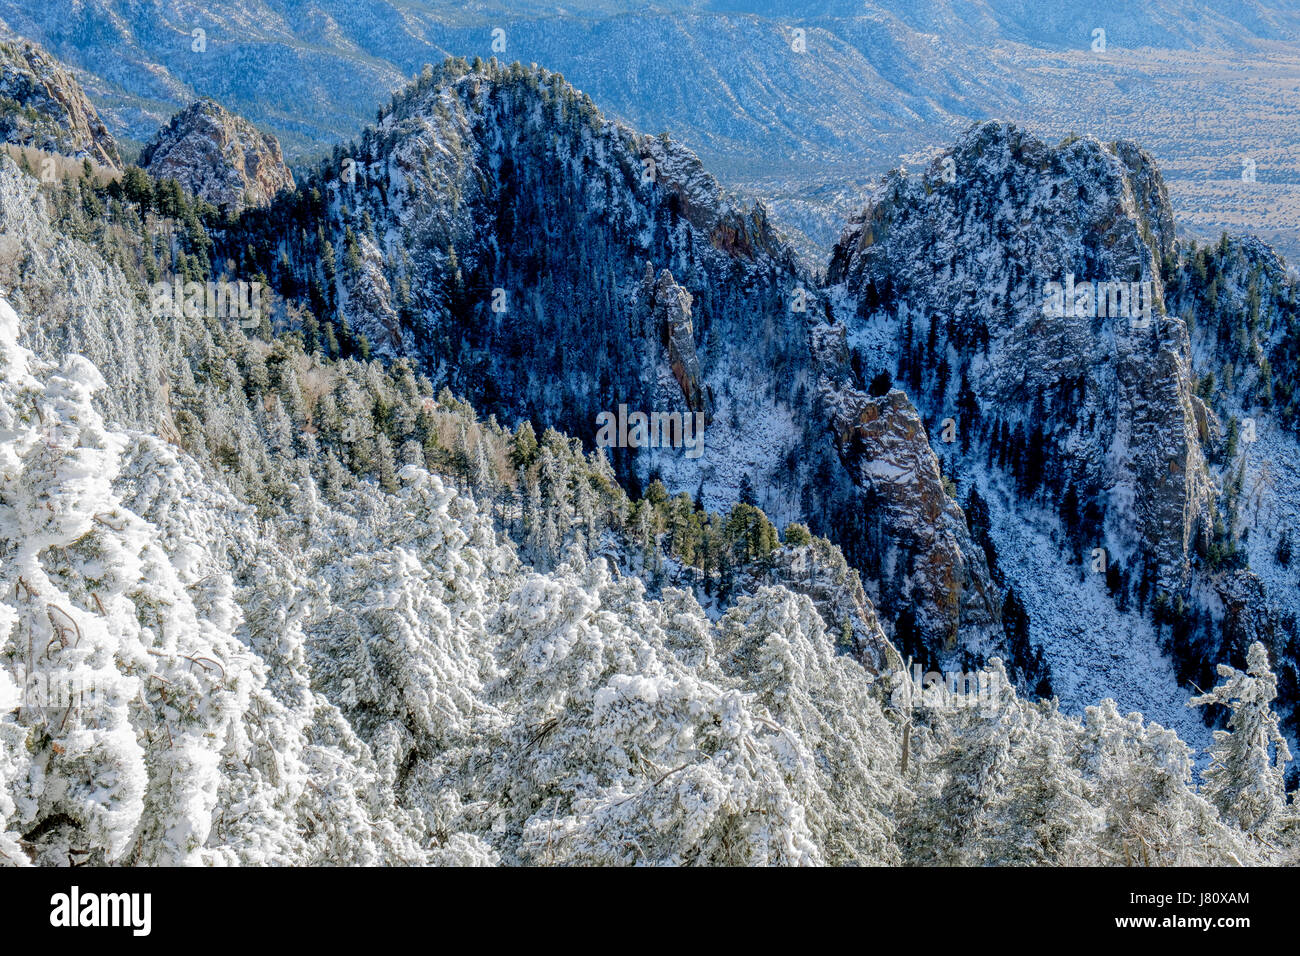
x: 340, y: 575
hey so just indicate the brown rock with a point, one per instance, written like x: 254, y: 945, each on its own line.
x: 218, y: 156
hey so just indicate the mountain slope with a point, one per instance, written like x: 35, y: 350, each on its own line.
x: 1036, y: 301
x: 266, y: 599
x: 43, y: 106
x: 875, y: 82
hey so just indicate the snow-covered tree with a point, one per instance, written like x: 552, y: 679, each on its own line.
x: 1140, y: 773
x: 828, y: 707
x: 1245, y: 778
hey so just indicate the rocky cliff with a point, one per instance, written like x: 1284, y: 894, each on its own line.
x: 42, y: 105
x: 218, y: 156
x: 957, y: 280
x: 931, y: 567
x: 671, y: 308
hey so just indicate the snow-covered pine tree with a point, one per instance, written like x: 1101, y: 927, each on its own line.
x: 1245, y: 778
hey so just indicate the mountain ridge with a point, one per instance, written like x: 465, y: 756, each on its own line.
x: 900, y: 80
x: 383, y: 624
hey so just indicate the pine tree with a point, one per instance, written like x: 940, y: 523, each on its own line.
x: 385, y: 464
x: 747, y: 494
x: 1245, y: 779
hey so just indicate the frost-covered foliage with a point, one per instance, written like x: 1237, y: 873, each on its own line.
x: 150, y: 729
x: 1015, y: 782
x: 383, y: 681
x: 267, y: 600
x: 1245, y: 779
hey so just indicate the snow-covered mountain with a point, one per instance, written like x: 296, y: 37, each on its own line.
x: 794, y: 103
x: 495, y: 229
x: 1095, y: 408
x: 217, y: 156
x: 43, y: 106
x: 347, y: 574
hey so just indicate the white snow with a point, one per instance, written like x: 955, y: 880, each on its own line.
x: 1095, y: 650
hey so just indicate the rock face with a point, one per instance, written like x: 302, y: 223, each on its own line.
x: 923, y: 566
x: 929, y: 564
x: 739, y: 231
x: 1246, y: 614
x: 671, y: 308
x: 43, y: 106
x: 218, y: 156
x: 365, y: 291
x: 952, y: 271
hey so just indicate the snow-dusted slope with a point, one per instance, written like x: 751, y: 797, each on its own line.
x: 267, y: 599
x: 373, y: 677
x: 1035, y: 304
x: 44, y: 107
x: 496, y: 229
x: 1095, y: 650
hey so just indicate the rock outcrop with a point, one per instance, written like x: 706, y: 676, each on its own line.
x: 670, y: 306
x: 370, y: 300
x: 43, y: 106
x: 1004, y: 265
x: 929, y: 564
x: 738, y: 229
x: 218, y: 156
